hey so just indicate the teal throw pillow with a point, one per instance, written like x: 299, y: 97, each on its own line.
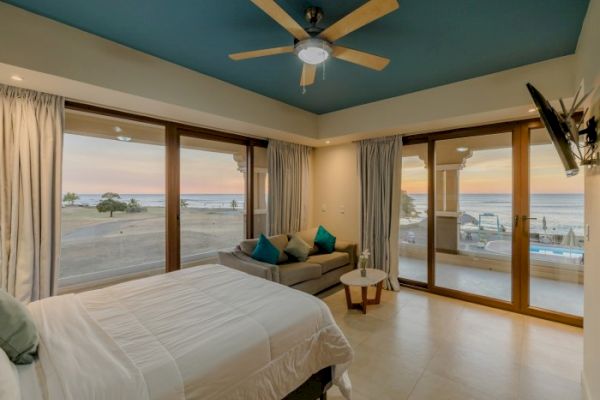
x: 18, y: 333
x: 324, y: 240
x: 298, y: 248
x: 265, y: 251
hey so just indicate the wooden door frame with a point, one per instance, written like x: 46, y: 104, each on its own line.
x: 519, y: 303
x: 524, y: 304
x: 173, y: 132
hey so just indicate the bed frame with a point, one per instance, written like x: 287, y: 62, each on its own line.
x: 314, y: 388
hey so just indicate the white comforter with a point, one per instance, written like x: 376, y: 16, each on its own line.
x: 208, y: 332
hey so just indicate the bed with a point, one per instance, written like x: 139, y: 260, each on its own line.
x: 207, y: 332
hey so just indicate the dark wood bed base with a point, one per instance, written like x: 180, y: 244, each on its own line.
x: 314, y: 388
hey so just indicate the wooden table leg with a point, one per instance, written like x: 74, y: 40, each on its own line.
x: 378, y: 292
x: 364, y: 299
x: 348, y: 298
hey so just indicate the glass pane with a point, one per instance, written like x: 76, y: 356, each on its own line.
x: 212, y: 198
x: 261, y: 189
x: 113, y: 217
x: 412, y: 264
x: 557, y: 232
x: 473, y: 213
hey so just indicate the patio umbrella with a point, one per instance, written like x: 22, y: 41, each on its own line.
x: 570, y: 240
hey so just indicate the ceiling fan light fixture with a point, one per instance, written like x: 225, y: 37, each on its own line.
x: 313, y: 51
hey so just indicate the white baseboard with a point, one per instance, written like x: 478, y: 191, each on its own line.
x: 584, y: 388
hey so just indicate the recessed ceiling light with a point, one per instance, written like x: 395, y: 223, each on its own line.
x: 462, y: 149
x: 16, y: 78
x: 124, y: 138
x: 327, y: 141
x: 118, y: 129
x: 532, y: 110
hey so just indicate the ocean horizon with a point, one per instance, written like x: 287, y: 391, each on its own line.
x: 204, y: 200
x: 561, y: 211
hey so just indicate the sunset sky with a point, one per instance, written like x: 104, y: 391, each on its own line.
x: 490, y: 171
x: 93, y: 165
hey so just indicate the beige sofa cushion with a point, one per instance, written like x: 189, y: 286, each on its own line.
x: 280, y: 241
x: 330, y: 261
x: 293, y: 273
x: 308, y: 236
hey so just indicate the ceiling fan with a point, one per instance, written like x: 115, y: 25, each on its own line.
x: 314, y: 45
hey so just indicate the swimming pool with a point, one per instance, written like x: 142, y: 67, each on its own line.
x: 505, y: 247
x: 556, y: 250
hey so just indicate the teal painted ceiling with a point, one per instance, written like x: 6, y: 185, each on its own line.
x: 429, y: 42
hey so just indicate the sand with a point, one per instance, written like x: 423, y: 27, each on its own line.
x: 92, y: 242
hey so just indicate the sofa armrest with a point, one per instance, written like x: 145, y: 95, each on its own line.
x: 347, y: 247
x: 238, y: 260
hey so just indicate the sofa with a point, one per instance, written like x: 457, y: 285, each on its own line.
x: 319, y: 272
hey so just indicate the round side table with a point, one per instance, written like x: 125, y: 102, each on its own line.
x: 375, y: 277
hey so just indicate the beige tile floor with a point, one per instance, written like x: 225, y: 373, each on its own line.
x: 418, y: 346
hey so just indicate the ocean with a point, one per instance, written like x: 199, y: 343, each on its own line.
x: 158, y: 200
x: 562, y: 211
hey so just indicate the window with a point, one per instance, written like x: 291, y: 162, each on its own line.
x: 113, y: 217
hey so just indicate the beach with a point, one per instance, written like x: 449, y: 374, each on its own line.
x: 94, y: 244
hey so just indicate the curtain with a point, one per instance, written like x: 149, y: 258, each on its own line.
x: 379, y: 163
x: 289, y: 189
x: 31, y: 132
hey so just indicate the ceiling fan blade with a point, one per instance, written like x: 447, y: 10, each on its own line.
x: 273, y: 10
x: 308, y: 74
x: 364, y: 14
x: 261, y: 53
x: 360, y: 58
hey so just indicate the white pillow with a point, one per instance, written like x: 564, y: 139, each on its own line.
x: 9, y: 378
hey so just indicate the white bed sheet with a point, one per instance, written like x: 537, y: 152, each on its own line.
x: 208, y: 332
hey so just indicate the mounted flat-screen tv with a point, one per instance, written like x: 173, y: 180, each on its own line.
x: 558, y: 130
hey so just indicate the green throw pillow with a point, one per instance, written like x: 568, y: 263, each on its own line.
x: 298, y: 248
x: 324, y: 240
x: 18, y: 333
x: 265, y: 251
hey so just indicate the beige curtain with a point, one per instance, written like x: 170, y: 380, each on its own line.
x: 31, y: 131
x: 289, y: 188
x: 379, y: 165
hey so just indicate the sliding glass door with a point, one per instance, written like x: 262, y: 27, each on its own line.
x: 473, y: 215
x: 412, y: 238
x: 555, y: 231
x: 488, y: 215
x: 212, y: 197
x: 145, y: 196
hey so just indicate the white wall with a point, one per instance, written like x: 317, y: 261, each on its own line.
x: 588, y: 71
x: 335, y: 191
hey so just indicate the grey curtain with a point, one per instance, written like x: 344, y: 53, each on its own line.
x: 379, y: 164
x: 31, y: 132
x: 289, y: 189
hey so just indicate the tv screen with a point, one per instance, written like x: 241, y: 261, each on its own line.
x: 558, y: 131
